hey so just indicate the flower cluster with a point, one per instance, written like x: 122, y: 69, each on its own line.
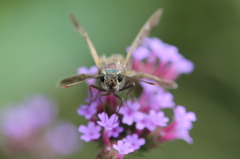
x: 32, y: 128
x: 158, y: 58
x: 141, y: 122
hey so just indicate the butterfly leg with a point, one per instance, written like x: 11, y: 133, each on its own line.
x: 130, y: 90
x: 91, y: 93
x: 99, y: 97
x: 118, y: 109
x: 130, y: 87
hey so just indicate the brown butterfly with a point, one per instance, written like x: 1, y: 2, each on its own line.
x: 114, y: 72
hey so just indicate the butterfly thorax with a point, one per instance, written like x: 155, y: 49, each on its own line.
x: 111, y: 71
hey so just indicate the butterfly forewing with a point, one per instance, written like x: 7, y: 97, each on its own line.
x: 73, y: 80
x: 139, y: 76
x: 144, y: 32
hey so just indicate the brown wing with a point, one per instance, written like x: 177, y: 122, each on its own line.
x: 139, y: 76
x: 73, y: 80
x: 82, y: 32
x: 145, y: 31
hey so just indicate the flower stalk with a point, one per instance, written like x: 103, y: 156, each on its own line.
x: 120, y: 156
x: 106, y: 139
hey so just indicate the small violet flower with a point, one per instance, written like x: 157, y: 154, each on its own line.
x: 159, y: 97
x: 180, y: 127
x: 142, y: 121
x: 88, y: 110
x: 184, y: 117
x: 158, y: 118
x: 134, y: 141
x: 92, y: 70
x: 123, y: 148
x: 90, y: 132
x: 115, y: 131
x: 108, y: 123
x: 129, y: 111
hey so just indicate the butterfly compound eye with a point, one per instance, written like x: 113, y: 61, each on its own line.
x: 119, y: 78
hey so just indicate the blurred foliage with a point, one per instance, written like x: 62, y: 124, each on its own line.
x: 38, y: 46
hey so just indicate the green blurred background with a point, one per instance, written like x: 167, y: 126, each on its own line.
x: 38, y: 46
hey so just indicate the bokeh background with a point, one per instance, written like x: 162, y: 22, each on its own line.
x: 38, y: 46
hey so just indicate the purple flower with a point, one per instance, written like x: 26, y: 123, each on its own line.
x: 91, y: 71
x: 162, y: 100
x: 134, y: 141
x: 115, y: 131
x: 17, y: 123
x: 181, y: 125
x: 123, y: 147
x: 183, y: 134
x: 151, y: 120
x: 159, y: 97
x: 129, y: 111
x: 30, y: 128
x: 158, y: 118
x: 27, y: 118
x: 142, y: 121
x: 183, y: 66
x: 90, y: 132
x: 108, y: 123
x: 184, y: 118
x: 88, y: 110
x: 160, y: 59
x: 63, y: 138
x: 44, y: 109
x: 141, y: 53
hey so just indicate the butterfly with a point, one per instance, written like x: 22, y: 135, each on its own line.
x: 114, y: 73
